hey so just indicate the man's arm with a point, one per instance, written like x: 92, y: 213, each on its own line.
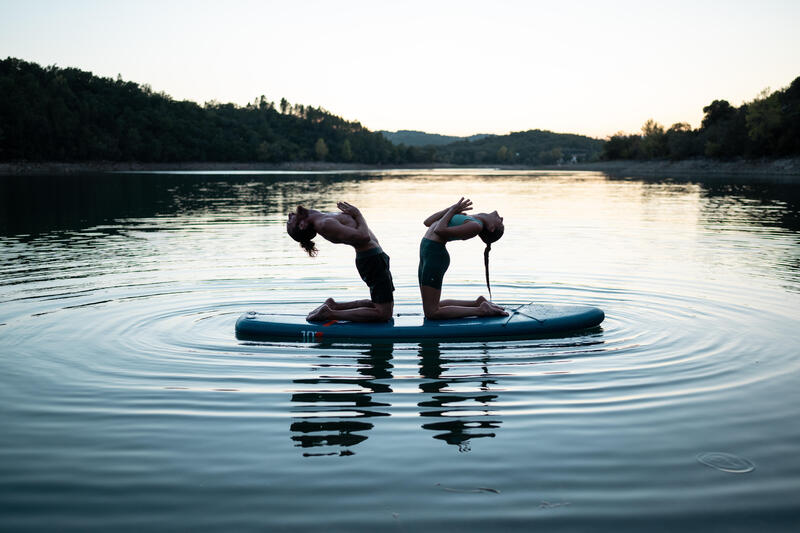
x: 336, y: 232
x: 353, y: 211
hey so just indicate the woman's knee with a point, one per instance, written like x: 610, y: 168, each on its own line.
x: 431, y: 312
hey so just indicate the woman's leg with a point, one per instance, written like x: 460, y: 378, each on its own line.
x: 464, y: 303
x: 434, y: 310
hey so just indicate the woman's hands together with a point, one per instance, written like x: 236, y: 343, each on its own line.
x: 462, y: 205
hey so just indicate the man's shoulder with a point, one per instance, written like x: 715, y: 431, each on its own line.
x: 327, y: 222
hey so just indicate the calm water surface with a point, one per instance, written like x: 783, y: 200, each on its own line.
x: 126, y: 402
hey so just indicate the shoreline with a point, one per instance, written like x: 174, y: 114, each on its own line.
x: 788, y: 167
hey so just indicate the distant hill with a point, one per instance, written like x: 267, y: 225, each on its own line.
x: 532, y: 147
x: 420, y: 138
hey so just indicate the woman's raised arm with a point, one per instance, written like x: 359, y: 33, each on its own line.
x: 462, y: 205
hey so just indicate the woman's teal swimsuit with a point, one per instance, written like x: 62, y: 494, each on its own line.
x: 433, y: 257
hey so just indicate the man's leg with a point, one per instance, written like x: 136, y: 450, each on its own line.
x: 374, y: 313
x: 338, y: 306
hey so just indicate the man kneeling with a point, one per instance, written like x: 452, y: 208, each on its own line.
x: 348, y: 227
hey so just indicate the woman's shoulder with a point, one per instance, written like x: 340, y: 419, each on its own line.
x: 459, y: 219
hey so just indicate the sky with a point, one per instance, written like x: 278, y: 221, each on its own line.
x: 448, y: 67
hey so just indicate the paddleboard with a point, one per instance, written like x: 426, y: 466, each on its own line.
x: 523, y: 321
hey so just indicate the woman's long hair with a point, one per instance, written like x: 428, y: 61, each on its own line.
x: 489, y: 237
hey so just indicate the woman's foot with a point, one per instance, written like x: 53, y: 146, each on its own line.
x: 489, y: 309
x: 498, y: 307
x: 323, y: 312
x: 331, y: 304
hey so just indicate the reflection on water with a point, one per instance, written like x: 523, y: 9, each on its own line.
x: 327, y: 415
x: 124, y: 393
x: 466, y: 414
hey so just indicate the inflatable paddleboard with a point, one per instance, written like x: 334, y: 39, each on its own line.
x: 529, y: 320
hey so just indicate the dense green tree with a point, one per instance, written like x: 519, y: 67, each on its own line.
x: 681, y: 142
x: 622, y: 146
x: 321, y: 149
x: 502, y: 154
x: 347, y: 151
x: 654, y: 140
x: 769, y: 126
x: 764, y: 120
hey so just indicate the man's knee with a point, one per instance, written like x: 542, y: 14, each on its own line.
x: 385, y: 310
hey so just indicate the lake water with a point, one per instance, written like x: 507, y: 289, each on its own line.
x: 127, y: 403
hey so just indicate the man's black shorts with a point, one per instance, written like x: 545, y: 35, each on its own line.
x: 373, y: 266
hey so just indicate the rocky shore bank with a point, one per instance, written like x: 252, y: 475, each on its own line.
x: 789, y: 167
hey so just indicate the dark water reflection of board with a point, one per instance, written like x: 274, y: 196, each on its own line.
x: 529, y: 320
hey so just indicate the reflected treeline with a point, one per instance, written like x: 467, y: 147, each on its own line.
x: 768, y: 204
x: 461, y: 416
x: 756, y: 202
x: 332, y: 417
x: 768, y: 207
x: 31, y: 205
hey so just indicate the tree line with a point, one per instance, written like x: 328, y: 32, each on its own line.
x: 66, y: 114
x: 767, y: 127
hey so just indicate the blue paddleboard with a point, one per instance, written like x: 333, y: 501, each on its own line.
x: 529, y: 320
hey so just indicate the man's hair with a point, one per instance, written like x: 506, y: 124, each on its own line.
x: 304, y: 236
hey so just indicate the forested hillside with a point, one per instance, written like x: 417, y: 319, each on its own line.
x: 534, y: 147
x: 66, y: 114
x: 767, y: 127
x: 421, y: 138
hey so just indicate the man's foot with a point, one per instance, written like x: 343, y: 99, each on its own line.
x: 320, y: 306
x: 489, y: 309
x: 479, y: 300
x: 323, y: 312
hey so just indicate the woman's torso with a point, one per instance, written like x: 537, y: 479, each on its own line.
x: 455, y: 220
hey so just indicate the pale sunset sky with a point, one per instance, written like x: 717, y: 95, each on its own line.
x: 449, y: 67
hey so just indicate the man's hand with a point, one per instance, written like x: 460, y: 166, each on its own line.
x: 348, y: 209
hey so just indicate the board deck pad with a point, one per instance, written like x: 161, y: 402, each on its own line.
x: 528, y: 320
